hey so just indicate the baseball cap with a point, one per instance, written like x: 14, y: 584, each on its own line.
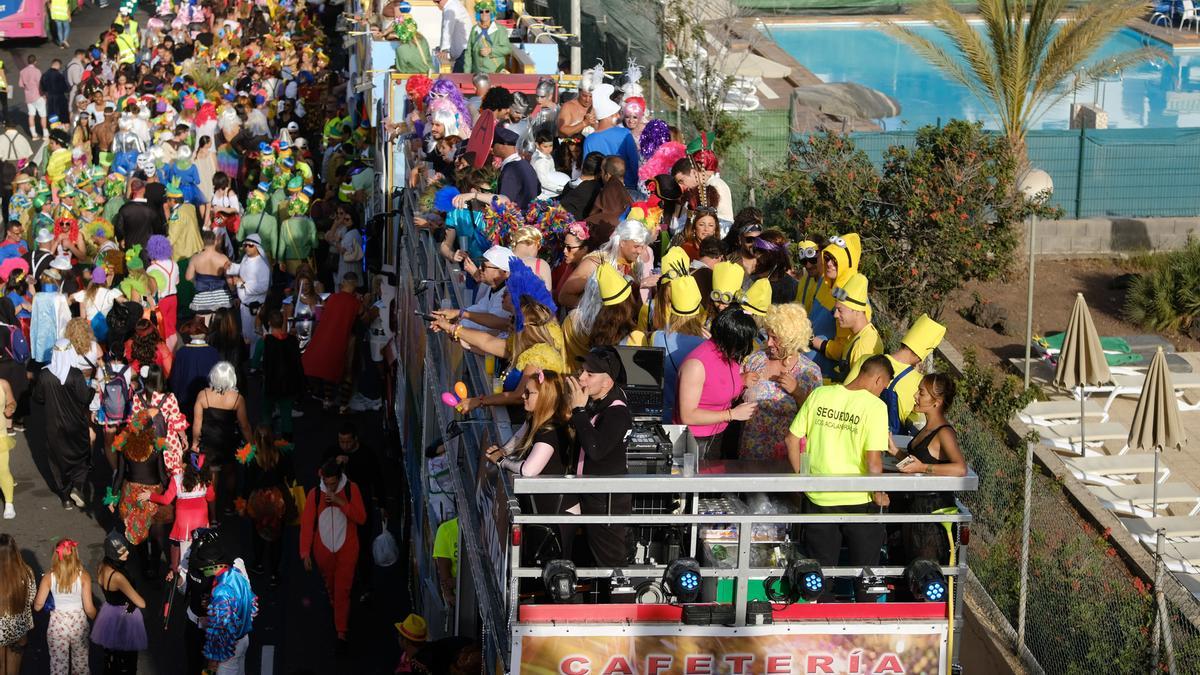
x: 499, y: 256
x: 604, y: 360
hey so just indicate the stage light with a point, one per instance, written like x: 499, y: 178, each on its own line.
x: 925, y: 580
x: 682, y: 579
x: 558, y: 576
x: 806, y: 579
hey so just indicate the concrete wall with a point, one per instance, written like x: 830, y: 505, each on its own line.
x: 1104, y: 236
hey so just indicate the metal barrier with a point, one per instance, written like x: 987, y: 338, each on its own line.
x: 687, y: 493
x: 428, y: 367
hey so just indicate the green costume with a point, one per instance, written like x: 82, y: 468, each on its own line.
x: 265, y: 225
x: 413, y: 54
x: 297, y: 238
x: 497, y: 39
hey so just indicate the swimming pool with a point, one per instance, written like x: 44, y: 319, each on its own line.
x: 1151, y: 95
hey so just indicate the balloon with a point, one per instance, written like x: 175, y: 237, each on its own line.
x: 449, y: 399
x: 460, y: 388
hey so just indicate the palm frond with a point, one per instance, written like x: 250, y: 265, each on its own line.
x: 1087, y: 31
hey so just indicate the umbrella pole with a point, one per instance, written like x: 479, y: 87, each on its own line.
x: 1082, y: 446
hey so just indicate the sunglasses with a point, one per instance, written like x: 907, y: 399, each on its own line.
x: 528, y: 394
x: 570, y: 247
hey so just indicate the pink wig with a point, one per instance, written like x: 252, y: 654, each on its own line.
x: 661, y: 161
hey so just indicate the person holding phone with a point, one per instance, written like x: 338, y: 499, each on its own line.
x: 332, y: 512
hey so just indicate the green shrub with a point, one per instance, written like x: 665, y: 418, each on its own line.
x: 940, y: 214
x: 1166, y: 295
x: 993, y: 396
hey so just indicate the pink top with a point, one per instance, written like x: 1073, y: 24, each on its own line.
x: 722, y: 384
x: 31, y: 82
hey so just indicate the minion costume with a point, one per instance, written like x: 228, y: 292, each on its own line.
x: 614, y: 288
x: 675, y: 263
x: 806, y: 291
x: 756, y: 301
x: 900, y: 395
x: 494, y: 38
x: 860, y: 345
x: 727, y: 280
x: 685, y: 301
x: 846, y: 251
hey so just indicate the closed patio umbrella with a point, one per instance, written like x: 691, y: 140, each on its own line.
x: 1155, y: 427
x: 1081, y: 362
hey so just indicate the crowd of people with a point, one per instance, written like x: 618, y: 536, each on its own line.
x: 185, y: 275
x: 584, y: 225
x: 184, y: 266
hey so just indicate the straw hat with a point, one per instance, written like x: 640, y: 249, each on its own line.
x: 413, y: 628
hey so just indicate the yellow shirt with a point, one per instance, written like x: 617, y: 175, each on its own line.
x: 841, y: 426
x: 445, y: 544
x: 856, y: 348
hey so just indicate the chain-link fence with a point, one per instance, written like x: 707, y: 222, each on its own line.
x: 1101, y: 172
x: 765, y: 147
x: 1086, y: 612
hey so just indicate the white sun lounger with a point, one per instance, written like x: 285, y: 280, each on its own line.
x: 1137, y: 500
x: 1115, y: 470
x: 1146, y: 530
x: 1191, y: 582
x: 1180, y: 557
x: 1050, y: 413
x: 1131, y: 385
x: 1066, y: 437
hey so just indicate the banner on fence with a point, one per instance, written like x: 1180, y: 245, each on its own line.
x: 771, y: 650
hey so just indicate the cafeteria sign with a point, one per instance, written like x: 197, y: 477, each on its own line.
x: 862, y: 653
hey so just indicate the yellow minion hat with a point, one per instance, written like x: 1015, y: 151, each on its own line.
x: 674, y: 262
x: 846, y: 250
x: 924, y: 336
x: 685, y: 296
x: 758, y: 298
x: 727, y: 278
x: 853, y: 293
x: 614, y: 287
x: 808, y: 249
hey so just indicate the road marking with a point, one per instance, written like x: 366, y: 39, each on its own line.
x: 268, y: 660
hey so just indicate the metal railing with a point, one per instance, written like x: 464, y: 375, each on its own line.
x: 689, y: 490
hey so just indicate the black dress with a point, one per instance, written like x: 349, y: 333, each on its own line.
x: 219, y: 436
x: 927, y: 540
x: 68, y: 445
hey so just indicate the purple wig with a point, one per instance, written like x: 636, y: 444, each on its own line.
x: 159, y: 248
x: 445, y: 88
x: 654, y: 135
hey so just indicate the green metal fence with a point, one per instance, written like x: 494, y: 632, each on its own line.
x: 1106, y: 172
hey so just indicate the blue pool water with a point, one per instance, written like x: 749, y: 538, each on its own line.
x: 1152, y: 95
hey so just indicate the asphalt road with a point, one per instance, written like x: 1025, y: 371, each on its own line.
x: 293, y: 632
x: 86, y: 24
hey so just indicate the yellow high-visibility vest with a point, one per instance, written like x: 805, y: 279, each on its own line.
x: 60, y: 10
x: 126, y: 49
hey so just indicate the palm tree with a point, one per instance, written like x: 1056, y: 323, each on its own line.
x: 1018, y: 66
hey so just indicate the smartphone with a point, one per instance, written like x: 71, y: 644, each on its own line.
x: 905, y: 462
x: 423, y: 315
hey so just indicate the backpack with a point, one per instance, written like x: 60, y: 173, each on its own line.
x: 17, y: 348
x: 159, y: 422
x: 114, y: 397
x: 121, y: 319
x: 892, y: 401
